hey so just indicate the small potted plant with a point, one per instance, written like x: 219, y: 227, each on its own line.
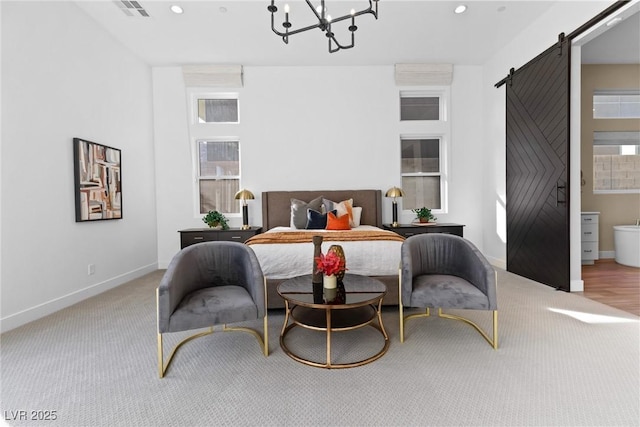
x: 215, y: 219
x: 424, y: 215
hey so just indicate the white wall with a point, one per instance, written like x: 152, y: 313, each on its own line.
x: 63, y: 77
x: 564, y: 17
x: 302, y: 128
x: 313, y: 128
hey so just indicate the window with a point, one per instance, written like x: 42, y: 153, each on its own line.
x: 218, y: 175
x: 616, y: 162
x: 217, y: 108
x: 616, y: 104
x: 424, y: 132
x: 421, y: 172
x: 417, y: 106
x: 213, y: 124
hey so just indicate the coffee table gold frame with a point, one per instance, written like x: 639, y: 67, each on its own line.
x: 365, y: 310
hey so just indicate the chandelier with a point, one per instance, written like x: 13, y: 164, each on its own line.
x: 325, y: 23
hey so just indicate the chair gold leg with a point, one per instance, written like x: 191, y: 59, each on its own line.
x: 163, y: 366
x: 265, y: 325
x: 160, y: 357
x: 426, y: 313
x: 493, y: 342
x: 401, y: 322
x: 159, y: 349
x: 400, y: 305
x: 253, y: 332
x: 495, y: 329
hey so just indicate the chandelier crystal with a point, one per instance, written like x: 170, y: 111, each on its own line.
x: 325, y: 23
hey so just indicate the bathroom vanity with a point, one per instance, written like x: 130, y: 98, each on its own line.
x: 589, y: 237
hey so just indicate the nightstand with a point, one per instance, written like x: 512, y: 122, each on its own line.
x: 192, y: 236
x: 408, y: 230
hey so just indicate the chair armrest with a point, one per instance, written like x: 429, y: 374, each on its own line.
x: 475, y: 269
x: 181, y: 278
x: 253, y: 278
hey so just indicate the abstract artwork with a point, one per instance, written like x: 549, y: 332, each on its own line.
x: 98, y: 183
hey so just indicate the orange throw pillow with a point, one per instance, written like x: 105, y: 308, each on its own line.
x: 337, y: 223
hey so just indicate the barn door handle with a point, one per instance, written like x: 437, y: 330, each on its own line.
x: 558, y: 188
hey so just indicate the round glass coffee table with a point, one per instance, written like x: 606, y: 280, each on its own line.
x: 311, y: 307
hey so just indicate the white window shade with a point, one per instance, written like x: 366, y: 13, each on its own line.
x: 423, y: 74
x: 212, y: 75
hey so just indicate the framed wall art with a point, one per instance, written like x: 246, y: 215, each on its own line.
x: 98, y: 181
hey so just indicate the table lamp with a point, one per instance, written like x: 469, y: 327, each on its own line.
x: 244, y: 195
x: 394, y: 192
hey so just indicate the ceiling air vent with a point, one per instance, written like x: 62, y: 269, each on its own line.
x: 131, y: 8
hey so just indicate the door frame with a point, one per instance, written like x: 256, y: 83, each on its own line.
x: 575, y: 197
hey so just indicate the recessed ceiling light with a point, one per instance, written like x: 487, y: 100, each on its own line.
x: 176, y: 9
x: 460, y: 9
x: 223, y: 9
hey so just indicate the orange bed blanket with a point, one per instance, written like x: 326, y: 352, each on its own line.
x: 331, y: 236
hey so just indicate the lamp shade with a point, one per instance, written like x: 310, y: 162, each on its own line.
x: 394, y: 192
x: 244, y: 195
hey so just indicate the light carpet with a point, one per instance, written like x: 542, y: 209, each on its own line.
x: 563, y: 360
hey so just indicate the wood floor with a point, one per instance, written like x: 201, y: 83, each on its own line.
x: 613, y: 284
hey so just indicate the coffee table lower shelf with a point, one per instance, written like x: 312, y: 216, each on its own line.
x: 330, y: 319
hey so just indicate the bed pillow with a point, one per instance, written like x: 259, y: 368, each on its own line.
x: 357, y: 214
x: 335, y: 222
x: 299, y: 211
x: 343, y: 207
x: 317, y: 220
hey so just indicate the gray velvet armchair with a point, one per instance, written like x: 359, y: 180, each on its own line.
x: 207, y: 284
x: 446, y: 271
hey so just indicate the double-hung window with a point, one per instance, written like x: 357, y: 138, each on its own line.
x: 423, y: 148
x: 215, y: 116
x: 421, y: 172
x: 218, y: 175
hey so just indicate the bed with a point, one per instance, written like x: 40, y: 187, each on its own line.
x: 285, y: 251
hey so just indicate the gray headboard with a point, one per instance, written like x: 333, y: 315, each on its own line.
x: 276, y: 205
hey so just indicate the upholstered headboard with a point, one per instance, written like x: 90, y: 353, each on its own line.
x: 276, y: 205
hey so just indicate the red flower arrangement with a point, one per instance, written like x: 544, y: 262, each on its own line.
x: 330, y: 263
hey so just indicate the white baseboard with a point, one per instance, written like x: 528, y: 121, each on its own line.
x: 34, y: 313
x: 576, y: 286
x: 607, y: 254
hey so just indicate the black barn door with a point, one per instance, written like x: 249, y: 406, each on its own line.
x: 537, y: 168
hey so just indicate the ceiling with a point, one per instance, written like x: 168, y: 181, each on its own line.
x: 617, y: 44
x: 238, y: 31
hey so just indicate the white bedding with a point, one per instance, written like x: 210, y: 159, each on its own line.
x: 368, y: 258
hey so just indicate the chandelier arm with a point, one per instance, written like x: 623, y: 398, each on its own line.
x: 338, y: 45
x: 349, y: 16
x: 319, y: 17
x: 290, y: 32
